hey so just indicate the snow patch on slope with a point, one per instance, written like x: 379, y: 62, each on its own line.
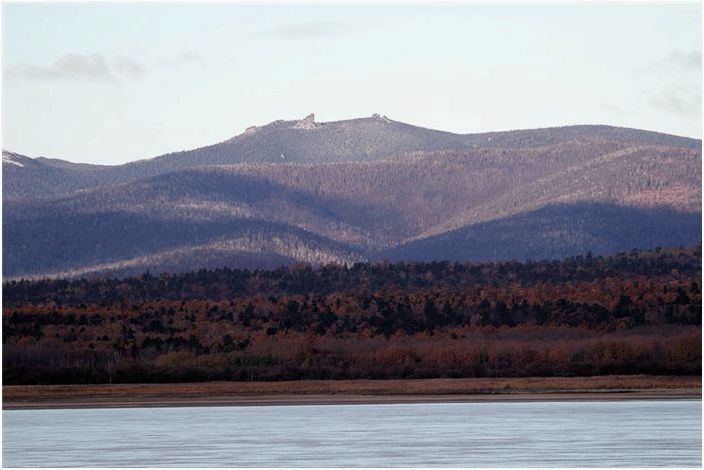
x: 8, y: 158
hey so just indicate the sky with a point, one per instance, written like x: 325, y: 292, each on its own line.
x: 112, y: 83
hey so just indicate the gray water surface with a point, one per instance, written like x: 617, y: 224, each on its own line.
x: 545, y: 434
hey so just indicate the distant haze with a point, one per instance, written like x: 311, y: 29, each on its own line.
x: 114, y: 83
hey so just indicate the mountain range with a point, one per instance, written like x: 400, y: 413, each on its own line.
x: 364, y: 189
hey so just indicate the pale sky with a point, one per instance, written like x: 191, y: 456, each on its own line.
x: 115, y: 83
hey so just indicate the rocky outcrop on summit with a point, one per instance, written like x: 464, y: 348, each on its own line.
x: 306, y: 123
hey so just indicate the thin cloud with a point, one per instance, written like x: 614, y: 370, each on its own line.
x: 678, y: 100
x: 94, y: 68
x: 691, y: 60
x: 677, y: 60
x: 129, y: 67
x: 91, y: 68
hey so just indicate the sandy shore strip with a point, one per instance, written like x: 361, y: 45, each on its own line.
x: 328, y: 392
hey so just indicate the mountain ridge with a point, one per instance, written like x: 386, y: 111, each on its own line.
x: 336, y: 196
x: 488, y: 136
x: 291, y: 124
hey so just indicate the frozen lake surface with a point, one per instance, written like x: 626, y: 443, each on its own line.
x: 545, y: 434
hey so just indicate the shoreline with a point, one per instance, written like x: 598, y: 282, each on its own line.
x: 324, y: 400
x: 349, y: 392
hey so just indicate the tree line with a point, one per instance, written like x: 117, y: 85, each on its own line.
x: 637, y: 312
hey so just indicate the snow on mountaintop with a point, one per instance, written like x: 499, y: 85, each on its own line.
x: 8, y: 157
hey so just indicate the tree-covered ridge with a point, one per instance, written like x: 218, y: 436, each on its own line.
x: 638, y: 312
x: 225, y: 283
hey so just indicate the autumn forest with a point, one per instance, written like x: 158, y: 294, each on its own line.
x: 633, y: 313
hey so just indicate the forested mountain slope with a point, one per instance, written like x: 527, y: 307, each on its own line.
x: 353, y: 190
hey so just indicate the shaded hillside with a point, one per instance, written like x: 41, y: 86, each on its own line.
x: 556, y: 232
x: 123, y: 243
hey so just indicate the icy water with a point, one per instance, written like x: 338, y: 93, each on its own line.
x: 545, y: 434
